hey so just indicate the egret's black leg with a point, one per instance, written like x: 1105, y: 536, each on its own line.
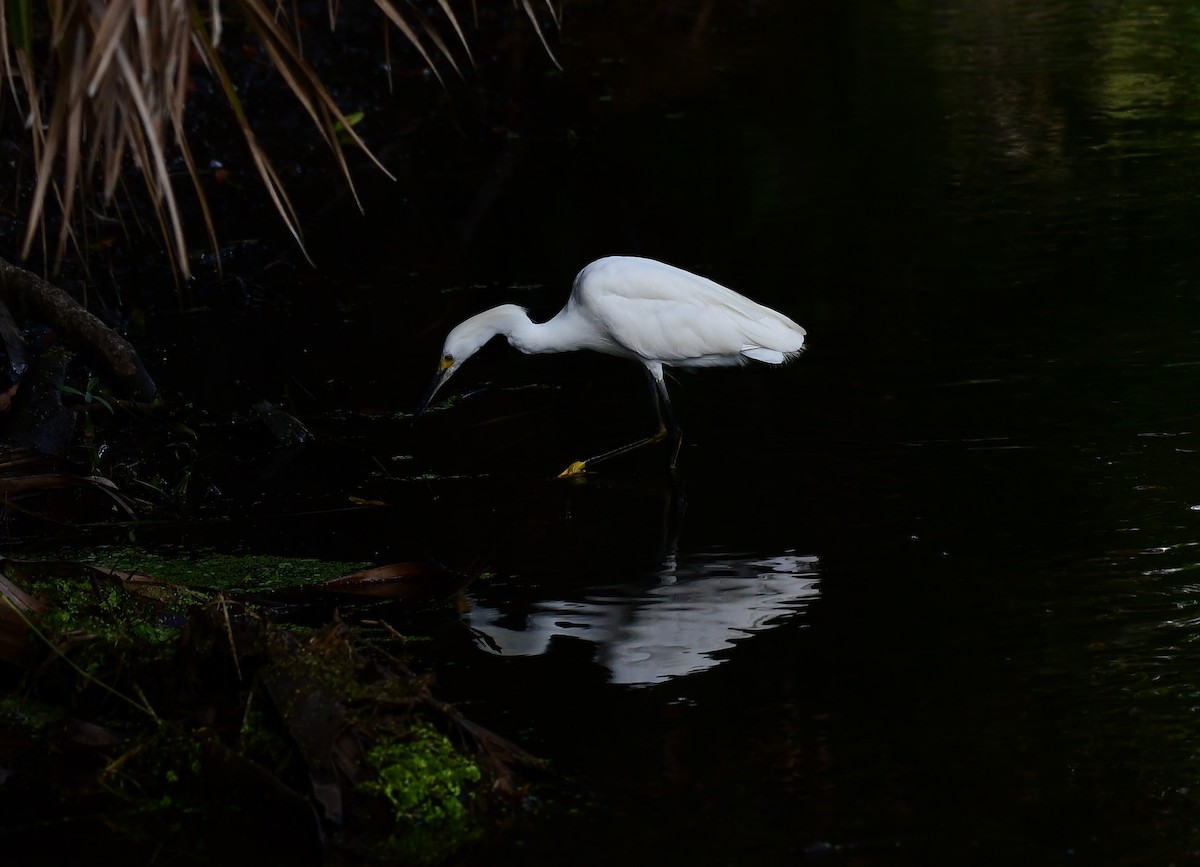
x: 671, y: 428
x: 668, y: 427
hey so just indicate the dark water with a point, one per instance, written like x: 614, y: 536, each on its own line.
x: 930, y: 594
x: 926, y: 596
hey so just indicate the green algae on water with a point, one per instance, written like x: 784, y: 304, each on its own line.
x: 218, y: 571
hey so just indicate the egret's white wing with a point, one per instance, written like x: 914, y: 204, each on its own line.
x: 663, y: 313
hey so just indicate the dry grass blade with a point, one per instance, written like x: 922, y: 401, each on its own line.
x: 74, y: 136
x: 449, y: 13
x: 306, y: 86
x: 107, y: 39
x: 15, y: 486
x: 266, y: 171
x: 121, y: 76
x: 555, y: 13
x: 404, y: 27
x: 150, y: 138
x: 214, y: 15
x: 205, y: 212
x: 431, y: 30
x: 529, y: 10
x: 120, y: 82
x: 45, y: 150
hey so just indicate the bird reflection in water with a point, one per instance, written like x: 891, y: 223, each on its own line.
x: 647, y: 633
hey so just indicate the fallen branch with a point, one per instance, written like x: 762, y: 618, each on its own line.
x: 78, y: 327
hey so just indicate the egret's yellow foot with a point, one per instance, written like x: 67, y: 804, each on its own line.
x: 576, y: 469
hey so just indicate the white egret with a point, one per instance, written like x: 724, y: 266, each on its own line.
x: 644, y: 310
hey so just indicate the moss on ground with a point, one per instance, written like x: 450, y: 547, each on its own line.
x: 431, y: 787
x: 179, y: 703
x: 246, y: 573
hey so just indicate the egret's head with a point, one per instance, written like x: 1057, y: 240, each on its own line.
x: 464, y: 340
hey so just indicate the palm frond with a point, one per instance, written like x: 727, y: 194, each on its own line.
x: 119, y: 75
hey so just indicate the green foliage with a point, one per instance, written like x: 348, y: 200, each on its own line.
x: 29, y: 714
x: 425, y: 779
x: 184, y: 696
x: 105, y: 612
x: 428, y: 784
x: 20, y: 31
x: 89, y: 394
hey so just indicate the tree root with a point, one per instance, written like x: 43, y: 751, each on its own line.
x: 25, y: 290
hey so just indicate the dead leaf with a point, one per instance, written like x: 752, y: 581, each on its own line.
x: 411, y: 581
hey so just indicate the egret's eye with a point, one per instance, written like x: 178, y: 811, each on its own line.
x: 448, y: 357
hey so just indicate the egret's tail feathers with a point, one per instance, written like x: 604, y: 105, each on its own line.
x: 758, y: 353
x: 769, y: 356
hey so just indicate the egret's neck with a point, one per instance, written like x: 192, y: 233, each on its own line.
x: 510, y: 321
x: 560, y: 334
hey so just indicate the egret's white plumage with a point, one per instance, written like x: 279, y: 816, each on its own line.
x: 643, y: 310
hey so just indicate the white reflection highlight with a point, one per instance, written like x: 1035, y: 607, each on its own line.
x: 647, y: 635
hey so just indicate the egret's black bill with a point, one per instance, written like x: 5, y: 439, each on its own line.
x: 438, y: 379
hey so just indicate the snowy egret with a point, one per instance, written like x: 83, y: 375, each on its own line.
x: 643, y: 310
